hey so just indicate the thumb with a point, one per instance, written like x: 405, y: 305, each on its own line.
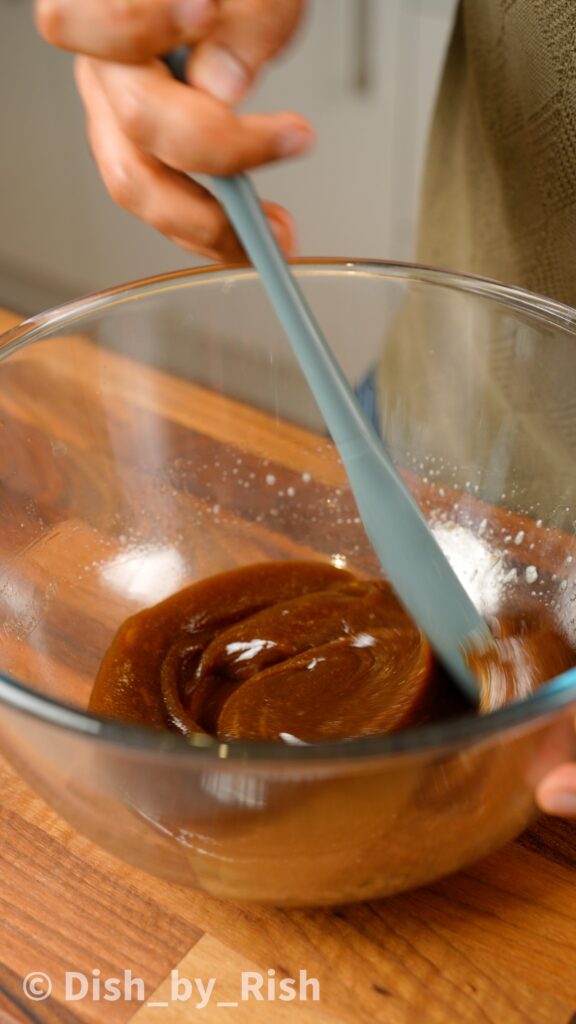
x: 124, y: 30
x: 247, y: 34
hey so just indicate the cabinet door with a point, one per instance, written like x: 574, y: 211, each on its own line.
x: 423, y: 31
x: 366, y: 74
x: 363, y: 70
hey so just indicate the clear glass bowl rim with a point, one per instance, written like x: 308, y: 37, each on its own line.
x: 557, y: 695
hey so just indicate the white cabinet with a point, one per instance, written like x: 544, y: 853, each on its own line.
x: 356, y: 195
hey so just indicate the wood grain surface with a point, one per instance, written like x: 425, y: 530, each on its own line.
x: 494, y: 944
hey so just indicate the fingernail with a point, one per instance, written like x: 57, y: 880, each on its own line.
x: 193, y: 14
x: 293, y: 140
x: 561, y: 802
x: 218, y: 72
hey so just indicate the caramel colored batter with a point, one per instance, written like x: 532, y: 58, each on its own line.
x: 300, y: 651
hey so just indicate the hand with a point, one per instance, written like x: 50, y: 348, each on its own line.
x: 147, y: 131
x: 556, y: 794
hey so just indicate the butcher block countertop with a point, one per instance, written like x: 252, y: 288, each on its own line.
x: 495, y: 943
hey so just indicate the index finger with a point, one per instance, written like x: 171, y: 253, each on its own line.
x: 123, y: 30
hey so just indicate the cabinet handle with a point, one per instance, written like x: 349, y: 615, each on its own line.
x: 362, y: 28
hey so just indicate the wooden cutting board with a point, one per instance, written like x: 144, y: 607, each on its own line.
x: 495, y: 943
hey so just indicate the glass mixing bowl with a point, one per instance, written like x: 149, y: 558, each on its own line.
x: 161, y: 432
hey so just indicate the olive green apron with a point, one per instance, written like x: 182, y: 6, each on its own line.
x: 499, y: 193
x: 490, y: 395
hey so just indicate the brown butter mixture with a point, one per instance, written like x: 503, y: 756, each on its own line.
x: 300, y: 650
